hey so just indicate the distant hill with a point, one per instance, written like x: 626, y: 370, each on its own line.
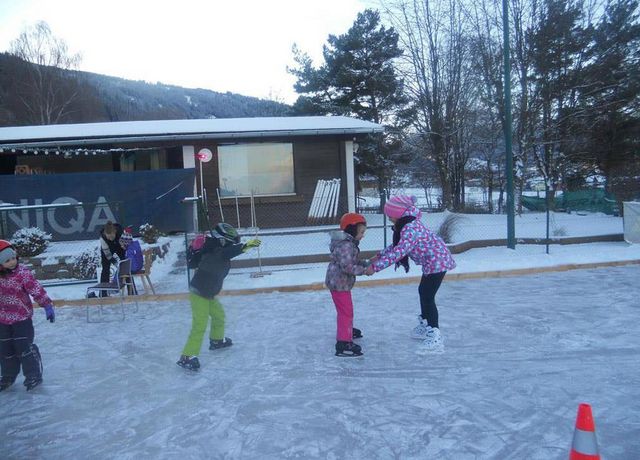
x: 104, y: 98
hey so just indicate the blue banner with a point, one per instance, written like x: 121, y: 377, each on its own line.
x: 130, y: 198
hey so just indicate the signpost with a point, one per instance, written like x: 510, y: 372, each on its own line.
x: 203, y: 156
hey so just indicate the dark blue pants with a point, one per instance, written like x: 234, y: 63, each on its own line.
x: 429, y: 285
x: 17, y: 349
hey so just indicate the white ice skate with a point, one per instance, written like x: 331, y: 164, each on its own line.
x: 420, y: 331
x: 433, y: 343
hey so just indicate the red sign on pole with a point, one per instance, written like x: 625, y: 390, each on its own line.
x: 204, y: 155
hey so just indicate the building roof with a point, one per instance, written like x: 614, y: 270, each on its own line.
x: 180, y: 130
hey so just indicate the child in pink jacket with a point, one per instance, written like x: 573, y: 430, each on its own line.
x: 17, y: 286
x: 412, y: 240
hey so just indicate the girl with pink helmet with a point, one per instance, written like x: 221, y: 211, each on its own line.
x: 413, y: 240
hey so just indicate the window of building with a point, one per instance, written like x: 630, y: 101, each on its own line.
x: 261, y: 169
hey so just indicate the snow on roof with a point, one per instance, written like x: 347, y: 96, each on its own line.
x: 130, y: 131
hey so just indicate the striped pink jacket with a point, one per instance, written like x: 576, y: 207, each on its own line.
x: 422, y: 246
x: 16, y: 290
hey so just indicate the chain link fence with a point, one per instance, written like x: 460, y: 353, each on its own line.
x: 67, y: 260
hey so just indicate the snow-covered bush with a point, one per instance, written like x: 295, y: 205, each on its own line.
x: 559, y: 231
x: 85, y: 265
x: 149, y: 233
x: 30, y: 241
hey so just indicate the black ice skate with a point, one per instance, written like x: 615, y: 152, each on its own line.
x: 222, y: 343
x: 6, y: 383
x: 190, y: 363
x: 357, y: 333
x: 32, y: 382
x: 32, y: 367
x: 348, y: 349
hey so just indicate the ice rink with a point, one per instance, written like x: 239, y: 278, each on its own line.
x: 521, y: 354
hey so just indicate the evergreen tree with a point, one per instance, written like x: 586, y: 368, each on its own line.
x: 559, y: 49
x: 611, y: 101
x: 358, y: 79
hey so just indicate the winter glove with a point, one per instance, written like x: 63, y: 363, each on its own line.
x: 253, y: 243
x: 51, y: 314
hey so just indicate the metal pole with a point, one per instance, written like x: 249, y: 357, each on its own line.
x: 186, y: 246
x: 201, y: 181
x: 546, y: 205
x: 383, y: 200
x: 237, y: 210
x: 511, y: 234
x: 220, y: 205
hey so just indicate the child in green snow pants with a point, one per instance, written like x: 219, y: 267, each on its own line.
x: 201, y: 310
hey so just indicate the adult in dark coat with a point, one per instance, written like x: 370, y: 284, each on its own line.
x: 110, y: 247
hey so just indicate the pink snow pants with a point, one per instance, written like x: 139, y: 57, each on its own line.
x: 344, y: 309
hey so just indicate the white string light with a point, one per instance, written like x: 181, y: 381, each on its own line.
x: 77, y: 152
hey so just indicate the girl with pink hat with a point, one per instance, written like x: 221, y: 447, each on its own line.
x: 413, y: 240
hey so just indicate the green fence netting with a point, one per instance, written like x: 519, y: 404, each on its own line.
x: 591, y: 200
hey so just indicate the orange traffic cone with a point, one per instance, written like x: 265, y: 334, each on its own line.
x: 584, y: 445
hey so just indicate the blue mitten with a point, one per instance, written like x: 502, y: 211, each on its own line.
x: 51, y: 314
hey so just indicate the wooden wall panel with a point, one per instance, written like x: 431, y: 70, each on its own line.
x: 314, y: 158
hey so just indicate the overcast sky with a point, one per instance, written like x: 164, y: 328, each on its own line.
x: 241, y: 46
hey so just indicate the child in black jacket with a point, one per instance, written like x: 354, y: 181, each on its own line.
x: 211, y: 257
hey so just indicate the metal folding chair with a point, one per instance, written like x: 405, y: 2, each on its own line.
x: 122, y: 282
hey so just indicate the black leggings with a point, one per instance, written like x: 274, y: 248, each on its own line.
x: 16, y: 349
x: 429, y: 285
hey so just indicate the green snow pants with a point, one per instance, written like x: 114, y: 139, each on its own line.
x: 201, y: 310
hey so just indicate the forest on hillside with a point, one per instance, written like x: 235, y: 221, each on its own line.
x: 83, y: 97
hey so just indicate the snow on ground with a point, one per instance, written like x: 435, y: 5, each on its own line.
x: 521, y: 354
x: 168, y: 278
x: 315, y: 240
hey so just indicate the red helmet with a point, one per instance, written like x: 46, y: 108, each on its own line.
x: 4, y: 244
x: 351, y: 218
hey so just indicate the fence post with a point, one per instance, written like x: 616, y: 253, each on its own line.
x: 383, y: 201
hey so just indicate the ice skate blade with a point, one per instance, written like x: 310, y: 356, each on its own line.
x: 220, y: 347
x: 350, y: 355
x: 190, y: 369
x: 33, y: 385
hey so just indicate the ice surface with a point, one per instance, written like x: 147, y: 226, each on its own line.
x: 521, y: 354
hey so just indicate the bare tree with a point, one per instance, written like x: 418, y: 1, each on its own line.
x: 486, y: 17
x: 43, y: 89
x: 438, y: 78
